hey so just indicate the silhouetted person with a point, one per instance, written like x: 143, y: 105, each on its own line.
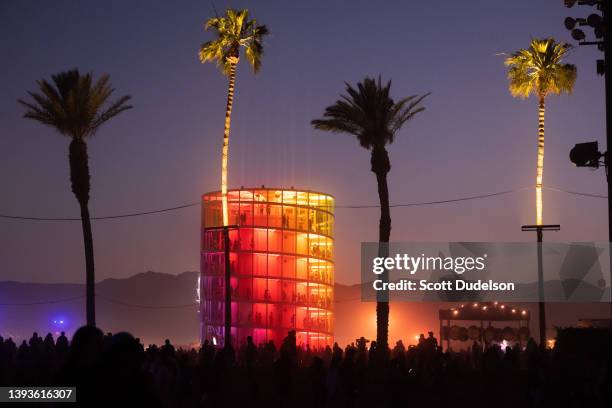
x: 250, y: 354
x: 373, y: 353
x: 48, y: 342
x: 476, y: 354
x: 168, y: 348
x: 124, y: 380
x: 285, y: 366
x: 317, y: 382
x: 264, y: 355
x: 83, y: 365
x: 431, y: 341
x: 250, y: 361
x: 399, y: 349
x: 61, y: 344
x: 348, y: 378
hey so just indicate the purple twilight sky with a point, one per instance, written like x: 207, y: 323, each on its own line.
x: 474, y: 138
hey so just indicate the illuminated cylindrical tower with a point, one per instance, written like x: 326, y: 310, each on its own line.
x: 282, y: 270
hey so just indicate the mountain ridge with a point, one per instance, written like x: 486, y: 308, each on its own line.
x: 158, y: 305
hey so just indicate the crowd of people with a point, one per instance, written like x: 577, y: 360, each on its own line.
x: 117, y: 370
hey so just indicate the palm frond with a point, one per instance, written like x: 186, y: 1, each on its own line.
x: 113, y: 110
x: 401, y: 113
x: 540, y: 70
x: 234, y: 31
x: 368, y: 112
x: 73, y: 105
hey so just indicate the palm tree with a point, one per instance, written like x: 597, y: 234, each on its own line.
x: 76, y: 107
x: 540, y: 70
x: 370, y: 114
x: 234, y: 31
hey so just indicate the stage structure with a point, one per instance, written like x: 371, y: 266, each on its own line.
x: 481, y: 312
x: 281, y: 264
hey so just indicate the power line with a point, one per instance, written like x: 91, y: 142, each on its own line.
x: 44, y: 302
x: 98, y: 296
x: 414, y: 204
x: 575, y: 192
x: 125, y: 304
x: 108, y: 217
x: 140, y: 306
x: 452, y: 200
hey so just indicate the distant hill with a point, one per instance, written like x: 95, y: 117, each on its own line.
x: 155, y: 306
x: 151, y: 305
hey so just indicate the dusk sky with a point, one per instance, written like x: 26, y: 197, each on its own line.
x: 474, y: 138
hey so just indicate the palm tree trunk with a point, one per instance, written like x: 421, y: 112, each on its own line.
x: 540, y: 164
x: 227, y: 333
x: 89, y: 266
x: 226, y: 132
x: 381, y: 167
x: 540, y: 221
x: 80, y: 180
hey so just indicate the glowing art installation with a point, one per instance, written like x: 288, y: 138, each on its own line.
x: 282, y: 270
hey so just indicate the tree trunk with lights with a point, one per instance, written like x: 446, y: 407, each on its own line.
x: 226, y: 132
x: 540, y: 220
x: 540, y: 164
x: 233, y: 62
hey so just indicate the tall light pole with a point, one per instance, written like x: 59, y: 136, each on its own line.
x: 539, y: 229
x: 227, y: 331
x: 227, y: 338
x: 602, y: 26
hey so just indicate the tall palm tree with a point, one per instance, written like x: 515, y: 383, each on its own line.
x: 539, y: 70
x: 234, y: 31
x: 76, y: 106
x: 370, y: 114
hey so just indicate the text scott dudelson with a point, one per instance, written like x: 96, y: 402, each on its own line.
x: 425, y: 285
